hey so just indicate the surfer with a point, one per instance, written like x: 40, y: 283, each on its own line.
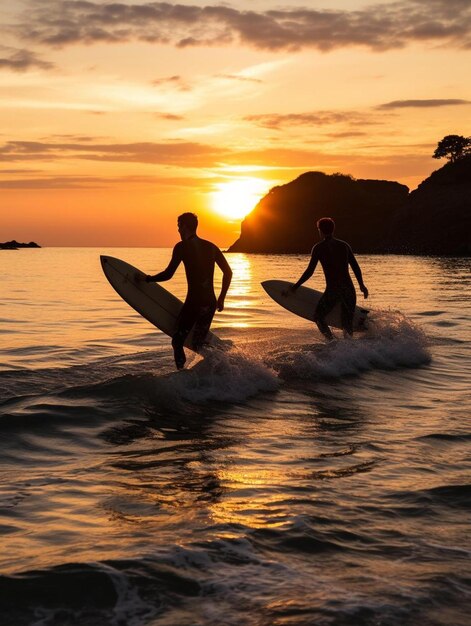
x: 335, y: 256
x: 199, y: 257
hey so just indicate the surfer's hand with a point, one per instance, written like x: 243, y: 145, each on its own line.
x: 220, y: 305
x: 364, y: 291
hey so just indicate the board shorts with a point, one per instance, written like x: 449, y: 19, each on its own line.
x: 346, y: 295
x: 194, y: 316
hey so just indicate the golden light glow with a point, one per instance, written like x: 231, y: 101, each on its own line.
x: 236, y: 198
x: 241, y: 300
x: 131, y: 144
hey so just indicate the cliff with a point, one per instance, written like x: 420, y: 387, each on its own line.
x: 284, y: 220
x: 436, y: 218
x: 374, y: 216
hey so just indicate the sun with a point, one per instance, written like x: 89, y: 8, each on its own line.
x: 236, y: 198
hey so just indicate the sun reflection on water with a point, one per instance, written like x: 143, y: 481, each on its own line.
x: 240, y: 291
x: 249, y: 502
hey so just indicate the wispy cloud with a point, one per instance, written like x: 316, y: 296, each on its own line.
x: 378, y: 26
x: 418, y: 104
x: 184, y: 154
x: 28, y: 171
x: 71, y: 137
x: 178, y: 154
x: 95, y: 182
x: 174, y: 81
x: 239, y: 77
x: 171, y: 117
x: 189, y: 158
x: 276, y: 121
x: 54, y: 182
x: 22, y: 60
x: 347, y: 134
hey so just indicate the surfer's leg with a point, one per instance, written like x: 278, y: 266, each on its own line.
x: 185, y: 322
x: 325, y: 305
x: 202, y: 325
x: 348, y: 302
x: 178, y: 340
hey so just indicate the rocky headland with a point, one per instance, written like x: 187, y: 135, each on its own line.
x: 436, y: 217
x: 374, y: 216
x: 15, y: 245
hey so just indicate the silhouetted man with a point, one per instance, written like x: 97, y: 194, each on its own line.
x: 199, y: 257
x: 335, y: 256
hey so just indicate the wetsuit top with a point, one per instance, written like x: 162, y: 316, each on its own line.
x: 335, y: 256
x: 199, y: 257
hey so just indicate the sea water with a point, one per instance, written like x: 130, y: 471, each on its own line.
x: 282, y: 482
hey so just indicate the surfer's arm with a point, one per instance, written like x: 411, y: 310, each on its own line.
x: 169, y: 271
x: 309, y: 271
x: 226, y: 277
x: 357, y: 271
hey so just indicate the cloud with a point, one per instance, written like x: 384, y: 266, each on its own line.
x: 364, y: 161
x: 404, y: 104
x: 71, y: 137
x: 174, y: 81
x: 172, y: 117
x: 239, y: 77
x: 276, y: 121
x: 28, y: 171
x: 45, y: 181
x: 53, y: 182
x: 21, y: 60
x: 347, y: 134
x: 184, y: 154
x: 377, y: 26
x: 94, y: 182
x: 177, y: 154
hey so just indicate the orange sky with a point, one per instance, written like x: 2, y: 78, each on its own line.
x: 118, y: 117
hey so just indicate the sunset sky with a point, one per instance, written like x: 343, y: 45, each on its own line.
x: 116, y: 117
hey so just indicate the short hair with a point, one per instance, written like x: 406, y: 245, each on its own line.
x: 190, y: 220
x: 326, y: 225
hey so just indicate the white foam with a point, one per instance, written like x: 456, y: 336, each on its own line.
x: 235, y: 374
x: 391, y: 341
x: 130, y: 608
x: 230, y: 376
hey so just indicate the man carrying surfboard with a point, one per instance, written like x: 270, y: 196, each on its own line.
x: 199, y: 258
x: 335, y: 256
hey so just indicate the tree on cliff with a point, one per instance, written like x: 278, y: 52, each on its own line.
x: 453, y: 147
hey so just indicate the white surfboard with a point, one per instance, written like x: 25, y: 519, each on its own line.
x: 304, y: 301
x: 151, y: 300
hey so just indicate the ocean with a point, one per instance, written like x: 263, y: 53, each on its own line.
x: 284, y: 482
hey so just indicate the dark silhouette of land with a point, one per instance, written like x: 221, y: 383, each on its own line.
x: 375, y: 216
x: 15, y: 245
x: 436, y: 218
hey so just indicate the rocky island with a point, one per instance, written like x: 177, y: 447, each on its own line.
x: 374, y: 216
x: 15, y: 245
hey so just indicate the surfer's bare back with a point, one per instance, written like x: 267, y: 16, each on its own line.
x: 335, y: 256
x: 199, y: 258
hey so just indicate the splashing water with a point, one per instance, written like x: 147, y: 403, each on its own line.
x: 391, y: 341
